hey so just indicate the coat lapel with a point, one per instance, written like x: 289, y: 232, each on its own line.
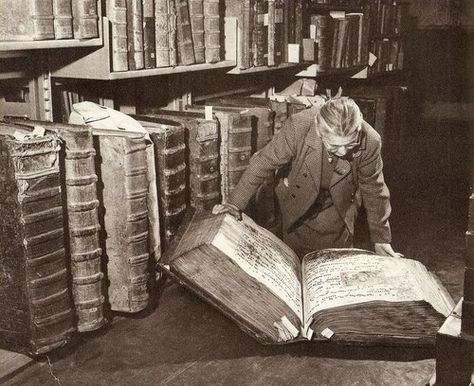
x: 341, y: 170
x: 313, y: 158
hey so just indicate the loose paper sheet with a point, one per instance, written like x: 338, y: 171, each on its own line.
x: 264, y: 257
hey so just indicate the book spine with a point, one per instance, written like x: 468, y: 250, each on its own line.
x: 291, y: 20
x: 212, y: 33
x: 236, y: 149
x: 117, y: 12
x: 285, y: 30
x: 162, y: 34
x: 62, y: 19
x: 148, y: 34
x: 279, y: 30
x: 245, y: 35
x: 299, y: 22
x: 85, y: 19
x: 185, y: 37
x: 196, y: 10
x: 171, y: 168
x: 281, y: 114
x: 124, y: 178
x: 43, y: 19
x: 83, y: 227
x: 203, y: 145
x: 39, y: 317
x: 135, y: 35
x: 261, y: 34
x: 172, y: 26
x: 271, y: 33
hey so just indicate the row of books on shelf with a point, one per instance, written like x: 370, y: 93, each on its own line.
x: 88, y: 208
x: 163, y: 33
x: 268, y: 29
x: 390, y: 55
x: 343, y: 42
x: 351, y: 3
x: 388, y: 17
x: 23, y: 20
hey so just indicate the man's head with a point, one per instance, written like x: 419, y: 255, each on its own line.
x: 339, y: 124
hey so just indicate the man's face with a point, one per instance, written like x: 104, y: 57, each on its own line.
x: 342, y: 147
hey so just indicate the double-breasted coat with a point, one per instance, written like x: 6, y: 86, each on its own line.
x: 353, y: 183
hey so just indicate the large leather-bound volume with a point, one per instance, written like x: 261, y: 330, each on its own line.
x: 148, y: 34
x: 258, y: 109
x: 324, y: 28
x: 333, y: 296
x: 196, y: 11
x: 261, y: 34
x: 77, y: 162
x: 184, y: 34
x: 123, y: 176
x: 271, y: 33
x: 212, y: 31
x: 279, y: 30
x: 36, y: 312
x: 172, y: 35
x: 27, y: 20
x: 286, y: 27
x: 162, y: 33
x: 85, y: 19
x: 117, y: 14
x: 62, y: 19
x: 281, y: 114
x: 202, y: 159
x: 168, y: 138
x: 291, y: 20
x: 135, y: 34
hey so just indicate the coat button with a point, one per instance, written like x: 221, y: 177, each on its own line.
x: 297, y: 186
x: 293, y: 195
x: 305, y: 175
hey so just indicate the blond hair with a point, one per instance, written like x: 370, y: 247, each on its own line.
x: 339, y: 116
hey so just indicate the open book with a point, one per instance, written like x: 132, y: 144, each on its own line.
x: 346, y: 295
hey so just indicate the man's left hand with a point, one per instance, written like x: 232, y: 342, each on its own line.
x: 385, y: 249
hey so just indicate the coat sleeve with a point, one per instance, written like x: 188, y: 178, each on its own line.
x: 375, y: 193
x: 263, y: 164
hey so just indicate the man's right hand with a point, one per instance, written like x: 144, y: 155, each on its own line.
x: 227, y: 208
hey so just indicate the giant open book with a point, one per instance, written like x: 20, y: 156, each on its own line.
x: 345, y: 295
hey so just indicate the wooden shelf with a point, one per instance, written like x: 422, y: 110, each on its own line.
x: 313, y: 72
x: 95, y: 64
x: 281, y: 66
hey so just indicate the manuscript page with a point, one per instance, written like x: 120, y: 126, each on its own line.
x: 264, y: 257
x: 331, y: 281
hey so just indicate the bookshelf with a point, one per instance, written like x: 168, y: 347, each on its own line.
x: 96, y: 64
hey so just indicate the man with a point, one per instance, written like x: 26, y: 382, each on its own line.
x: 333, y: 165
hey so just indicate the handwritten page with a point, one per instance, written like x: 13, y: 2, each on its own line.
x: 360, y: 278
x: 264, y: 257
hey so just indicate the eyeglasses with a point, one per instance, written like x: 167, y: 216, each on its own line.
x: 342, y: 149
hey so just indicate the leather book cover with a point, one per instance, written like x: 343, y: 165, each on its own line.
x: 271, y: 33
x: 285, y: 34
x: 123, y: 176
x: 202, y: 158
x: 117, y: 14
x: 85, y: 19
x: 184, y: 34
x: 79, y: 179
x: 299, y: 10
x: 261, y: 34
x: 245, y: 29
x: 135, y: 35
x: 172, y: 32
x: 170, y: 163
x: 279, y: 30
x: 212, y: 31
x: 62, y: 19
x: 149, y: 53
x: 162, y: 33
x: 291, y: 20
x: 27, y: 20
x: 196, y: 11
x: 37, y: 314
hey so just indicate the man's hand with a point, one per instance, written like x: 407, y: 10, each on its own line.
x: 227, y: 208
x: 385, y: 249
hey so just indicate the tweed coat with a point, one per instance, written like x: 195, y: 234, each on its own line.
x: 298, y: 147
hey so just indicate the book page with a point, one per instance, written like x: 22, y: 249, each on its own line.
x: 357, y: 277
x: 264, y: 257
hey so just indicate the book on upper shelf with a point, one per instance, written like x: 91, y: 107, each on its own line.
x: 196, y: 13
x: 62, y: 11
x: 346, y: 296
